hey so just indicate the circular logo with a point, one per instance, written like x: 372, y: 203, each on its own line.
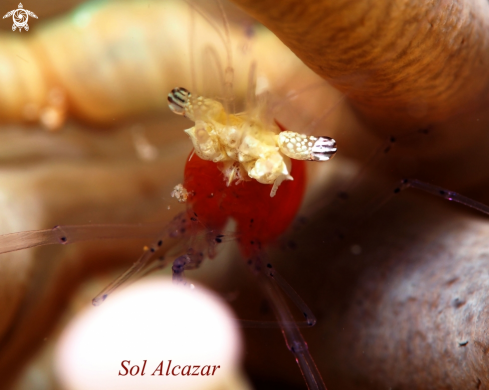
x: 20, y: 17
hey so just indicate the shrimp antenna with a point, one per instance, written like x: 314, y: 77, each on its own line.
x: 300, y: 91
x: 208, y: 20
x: 251, y: 89
x: 193, y: 78
x: 228, y: 72
x: 310, y: 128
x: 226, y: 40
x: 210, y: 52
x: 295, y: 93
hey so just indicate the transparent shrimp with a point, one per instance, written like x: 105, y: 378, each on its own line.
x: 239, y: 163
x: 238, y: 157
x: 243, y: 181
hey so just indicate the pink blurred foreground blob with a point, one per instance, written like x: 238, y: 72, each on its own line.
x: 155, y: 321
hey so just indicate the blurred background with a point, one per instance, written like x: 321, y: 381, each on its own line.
x: 86, y: 137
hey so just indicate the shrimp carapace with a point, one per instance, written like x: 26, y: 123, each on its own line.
x: 246, y: 146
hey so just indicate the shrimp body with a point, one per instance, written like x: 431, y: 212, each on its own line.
x: 238, y: 163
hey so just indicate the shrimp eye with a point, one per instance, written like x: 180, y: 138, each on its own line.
x: 178, y: 99
x: 323, y: 149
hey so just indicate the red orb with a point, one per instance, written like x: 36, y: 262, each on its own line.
x: 260, y: 219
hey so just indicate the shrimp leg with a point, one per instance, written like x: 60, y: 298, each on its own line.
x: 292, y: 335
x: 191, y: 260
x: 70, y: 234
x: 272, y: 284
x: 443, y: 193
x: 176, y: 229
